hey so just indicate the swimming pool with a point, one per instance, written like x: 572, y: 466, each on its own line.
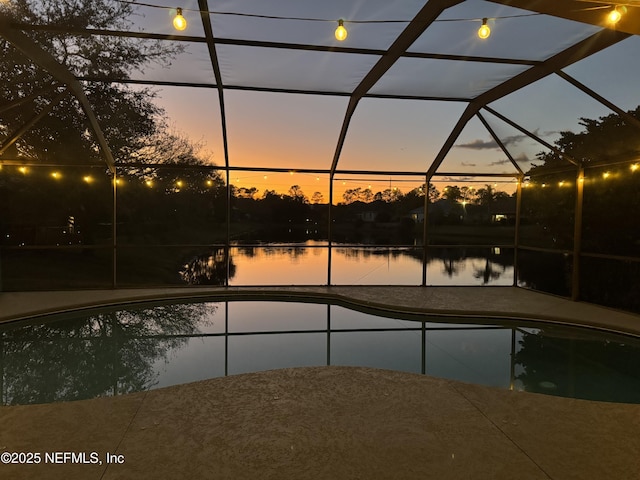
x: 135, y: 347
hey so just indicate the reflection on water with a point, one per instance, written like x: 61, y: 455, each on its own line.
x: 350, y: 265
x: 556, y: 363
x: 102, y: 354
x: 132, y: 349
x: 208, y: 269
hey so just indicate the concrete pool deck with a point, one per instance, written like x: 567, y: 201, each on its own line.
x: 327, y: 423
x: 498, y: 302
x: 331, y: 422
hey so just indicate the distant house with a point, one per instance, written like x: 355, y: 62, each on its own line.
x: 367, y: 216
x: 503, y: 210
x: 417, y: 214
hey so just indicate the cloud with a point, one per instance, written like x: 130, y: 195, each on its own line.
x: 548, y: 133
x: 454, y: 179
x: 522, y: 158
x: 500, y: 162
x: 513, y: 139
x: 464, y: 164
x: 478, y: 145
x: 510, y: 140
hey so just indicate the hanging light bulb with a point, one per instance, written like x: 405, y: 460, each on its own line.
x: 341, y: 32
x: 179, y: 22
x: 484, y: 31
x: 614, y: 16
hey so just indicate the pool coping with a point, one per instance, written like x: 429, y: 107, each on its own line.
x: 499, y: 302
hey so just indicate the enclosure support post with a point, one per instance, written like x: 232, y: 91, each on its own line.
x: 328, y: 335
x: 516, y: 238
x: 227, y: 240
x: 423, y: 367
x: 577, y: 235
x: 425, y: 232
x: 114, y: 242
x: 512, y: 369
x: 226, y: 339
x: 329, y: 229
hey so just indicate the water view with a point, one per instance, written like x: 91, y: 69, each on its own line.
x: 130, y: 349
x: 307, y: 263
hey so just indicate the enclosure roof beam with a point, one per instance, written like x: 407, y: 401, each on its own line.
x: 269, y: 44
x: 208, y: 31
x: 630, y: 119
x: 20, y: 101
x: 593, y: 44
x: 590, y: 45
x: 467, y: 115
x: 521, y: 129
x: 425, y: 17
x: 247, y: 88
x: 499, y: 142
x: 592, y: 12
x: 15, y: 136
x: 61, y: 73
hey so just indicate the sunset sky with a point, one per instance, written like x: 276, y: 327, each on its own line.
x: 295, y: 131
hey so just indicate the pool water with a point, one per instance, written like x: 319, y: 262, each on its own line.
x: 133, y: 348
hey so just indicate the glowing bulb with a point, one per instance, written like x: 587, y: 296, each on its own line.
x: 484, y: 31
x: 606, y: 175
x: 209, y: 183
x: 341, y: 32
x: 87, y: 179
x: 265, y: 177
x: 56, y: 175
x: 23, y: 170
x: 614, y: 16
x: 149, y: 183
x: 179, y: 183
x: 179, y: 22
x: 634, y: 167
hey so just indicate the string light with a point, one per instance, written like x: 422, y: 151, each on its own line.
x: 87, y: 179
x: 484, y: 31
x: 23, y: 170
x: 634, y: 167
x: 614, y: 16
x: 179, y: 22
x: 56, y: 175
x: 138, y: 3
x: 341, y: 32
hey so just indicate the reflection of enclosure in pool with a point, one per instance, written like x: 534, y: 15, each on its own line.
x: 111, y: 352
